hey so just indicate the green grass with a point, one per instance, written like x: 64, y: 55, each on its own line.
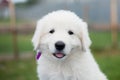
x: 102, y: 40
x: 110, y: 65
x: 18, y: 70
x: 24, y: 43
x: 26, y: 69
x: 4, y: 21
x: 5, y: 43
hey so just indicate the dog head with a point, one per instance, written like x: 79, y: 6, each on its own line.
x: 61, y: 33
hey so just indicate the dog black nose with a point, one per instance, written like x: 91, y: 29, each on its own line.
x: 59, y: 45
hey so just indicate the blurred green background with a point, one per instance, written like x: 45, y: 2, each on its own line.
x: 96, y: 13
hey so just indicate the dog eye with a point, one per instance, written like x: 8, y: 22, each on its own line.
x: 70, y: 32
x: 52, y: 31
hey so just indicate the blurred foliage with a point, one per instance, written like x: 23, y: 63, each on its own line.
x: 31, y: 2
x: 28, y: 3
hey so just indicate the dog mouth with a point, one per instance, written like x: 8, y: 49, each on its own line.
x: 59, y: 55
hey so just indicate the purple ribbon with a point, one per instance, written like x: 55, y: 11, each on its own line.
x: 38, y: 55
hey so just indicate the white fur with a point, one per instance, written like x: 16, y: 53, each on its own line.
x: 78, y: 64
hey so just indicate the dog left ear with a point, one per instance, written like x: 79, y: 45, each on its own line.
x: 37, y: 36
x: 84, y: 37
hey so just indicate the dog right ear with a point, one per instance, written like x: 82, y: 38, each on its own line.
x: 84, y: 37
x: 37, y: 35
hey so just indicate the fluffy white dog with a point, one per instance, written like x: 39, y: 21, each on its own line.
x: 62, y: 42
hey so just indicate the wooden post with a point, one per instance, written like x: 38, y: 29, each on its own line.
x: 114, y: 22
x: 85, y: 12
x: 13, y: 28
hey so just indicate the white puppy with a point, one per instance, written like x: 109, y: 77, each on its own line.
x: 63, y: 41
